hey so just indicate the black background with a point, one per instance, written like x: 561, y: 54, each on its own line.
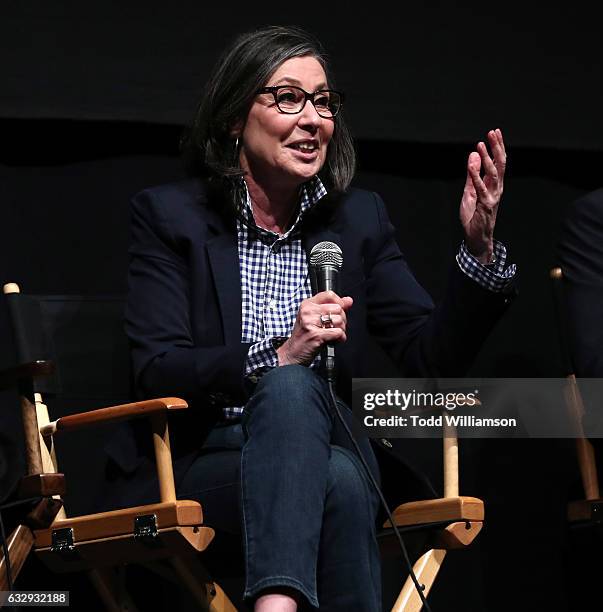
x: 92, y: 104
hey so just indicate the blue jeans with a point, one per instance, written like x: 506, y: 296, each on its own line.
x: 306, y: 506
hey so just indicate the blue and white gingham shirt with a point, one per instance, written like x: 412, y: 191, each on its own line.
x: 275, y: 280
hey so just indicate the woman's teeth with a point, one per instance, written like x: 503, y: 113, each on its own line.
x: 304, y: 146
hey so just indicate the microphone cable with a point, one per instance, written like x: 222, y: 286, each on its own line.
x: 419, y: 587
x: 326, y: 259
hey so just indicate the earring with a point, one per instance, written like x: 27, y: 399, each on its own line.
x: 235, y: 153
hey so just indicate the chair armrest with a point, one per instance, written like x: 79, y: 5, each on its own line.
x: 112, y: 414
x: 12, y: 376
x: 438, y: 510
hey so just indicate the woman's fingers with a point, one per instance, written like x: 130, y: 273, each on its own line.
x: 330, y: 297
x: 324, y: 317
x: 487, y: 162
x: 335, y: 335
x: 329, y: 320
x: 478, y: 184
x: 500, y: 140
x: 499, y: 154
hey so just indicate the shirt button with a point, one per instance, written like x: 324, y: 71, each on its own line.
x: 272, y: 304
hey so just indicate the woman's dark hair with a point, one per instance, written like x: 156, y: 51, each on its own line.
x: 209, y: 148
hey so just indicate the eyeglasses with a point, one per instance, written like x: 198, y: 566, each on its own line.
x: 292, y: 100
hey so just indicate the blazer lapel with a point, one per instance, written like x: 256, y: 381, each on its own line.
x: 223, y: 255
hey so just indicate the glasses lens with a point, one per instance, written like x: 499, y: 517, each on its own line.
x: 327, y: 103
x: 290, y: 99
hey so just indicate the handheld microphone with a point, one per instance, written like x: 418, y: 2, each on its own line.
x: 326, y: 260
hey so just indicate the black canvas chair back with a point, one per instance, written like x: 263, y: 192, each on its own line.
x: 82, y: 335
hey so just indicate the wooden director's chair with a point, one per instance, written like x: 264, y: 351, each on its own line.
x: 103, y: 543
x: 453, y: 522
x: 589, y: 510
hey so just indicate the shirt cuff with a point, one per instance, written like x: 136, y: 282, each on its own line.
x: 493, y: 276
x: 262, y: 357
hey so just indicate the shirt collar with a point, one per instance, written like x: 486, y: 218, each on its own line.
x: 310, y: 193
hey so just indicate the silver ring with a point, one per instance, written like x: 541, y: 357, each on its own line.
x: 326, y: 321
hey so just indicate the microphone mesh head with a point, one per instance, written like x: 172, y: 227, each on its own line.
x: 326, y: 254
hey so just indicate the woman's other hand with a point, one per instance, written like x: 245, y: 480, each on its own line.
x: 481, y: 196
x: 309, y: 334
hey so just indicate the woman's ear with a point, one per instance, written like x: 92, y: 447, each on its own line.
x: 236, y: 129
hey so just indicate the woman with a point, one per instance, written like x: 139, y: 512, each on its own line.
x: 221, y: 312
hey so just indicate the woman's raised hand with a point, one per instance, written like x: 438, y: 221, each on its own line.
x: 481, y: 196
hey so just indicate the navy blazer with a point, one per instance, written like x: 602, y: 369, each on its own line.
x: 183, y: 314
x: 580, y: 254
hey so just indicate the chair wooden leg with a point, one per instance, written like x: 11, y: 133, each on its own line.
x: 19, y: 544
x: 206, y: 592
x: 112, y: 590
x: 426, y: 570
x: 588, y: 468
x: 104, y: 587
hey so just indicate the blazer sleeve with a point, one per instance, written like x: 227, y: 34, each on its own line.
x: 424, y: 339
x: 165, y: 359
